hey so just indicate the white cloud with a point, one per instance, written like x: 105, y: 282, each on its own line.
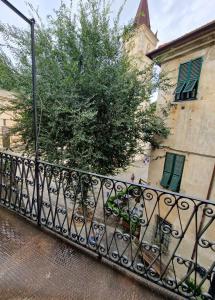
x: 171, y: 18
x: 167, y: 5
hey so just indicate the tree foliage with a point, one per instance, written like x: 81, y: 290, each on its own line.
x: 88, y: 90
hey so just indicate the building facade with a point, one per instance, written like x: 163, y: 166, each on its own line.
x: 7, y: 140
x: 185, y: 161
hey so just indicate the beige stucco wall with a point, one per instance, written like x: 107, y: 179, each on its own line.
x: 192, y: 126
x: 6, y: 119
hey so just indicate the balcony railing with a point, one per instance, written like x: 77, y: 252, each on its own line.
x: 164, y: 237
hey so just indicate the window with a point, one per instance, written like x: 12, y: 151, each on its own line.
x: 162, y: 233
x: 172, y: 173
x: 188, y: 80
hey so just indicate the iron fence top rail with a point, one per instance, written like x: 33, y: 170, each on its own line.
x: 155, y: 189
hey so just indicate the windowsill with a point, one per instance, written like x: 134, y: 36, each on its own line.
x: 183, y: 101
x: 168, y: 189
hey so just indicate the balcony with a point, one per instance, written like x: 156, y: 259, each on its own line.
x: 163, y: 241
x: 36, y: 265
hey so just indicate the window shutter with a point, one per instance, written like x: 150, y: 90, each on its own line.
x: 182, y: 78
x: 184, y: 71
x: 177, y: 173
x: 195, y: 70
x: 168, y: 167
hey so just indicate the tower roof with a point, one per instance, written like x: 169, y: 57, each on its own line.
x: 142, y: 16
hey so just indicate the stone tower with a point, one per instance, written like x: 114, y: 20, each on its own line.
x: 143, y: 40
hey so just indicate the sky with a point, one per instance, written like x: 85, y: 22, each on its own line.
x: 172, y: 18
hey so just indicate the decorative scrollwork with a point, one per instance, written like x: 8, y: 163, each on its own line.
x: 78, y: 218
x: 53, y: 190
x: 153, y: 275
x: 209, y: 212
x: 82, y: 240
x: 108, y: 184
x: 149, y: 194
x: 140, y: 268
x: 29, y: 182
x: 120, y: 236
x: 95, y: 181
x: 169, y: 283
x: 98, y: 226
x: 115, y: 256
x: 46, y: 204
x: 134, y: 218
x: 144, y: 222
x: 206, y: 244
x: 118, y: 220
x: 62, y: 210
x: 85, y: 179
x: 90, y: 202
x: 186, y: 262
x: 102, y: 250
x: 119, y: 186
x: 125, y: 261
x: 135, y: 191
x: 49, y: 224
x: 184, y: 204
x: 43, y: 220
x: 149, y: 247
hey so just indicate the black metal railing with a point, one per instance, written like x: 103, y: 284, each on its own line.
x: 164, y: 237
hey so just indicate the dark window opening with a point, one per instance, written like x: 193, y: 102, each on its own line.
x: 162, y: 233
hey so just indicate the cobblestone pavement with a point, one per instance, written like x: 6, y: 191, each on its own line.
x: 37, y: 265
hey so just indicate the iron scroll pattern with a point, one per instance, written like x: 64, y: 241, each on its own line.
x: 117, y: 220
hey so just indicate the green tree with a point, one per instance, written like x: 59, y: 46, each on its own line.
x: 88, y: 90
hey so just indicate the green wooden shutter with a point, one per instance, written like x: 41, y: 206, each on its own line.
x: 182, y: 78
x: 177, y: 173
x: 194, y: 75
x: 168, y: 167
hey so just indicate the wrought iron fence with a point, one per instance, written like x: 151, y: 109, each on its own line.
x: 164, y: 237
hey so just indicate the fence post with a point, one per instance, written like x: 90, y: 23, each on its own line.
x: 35, y: 123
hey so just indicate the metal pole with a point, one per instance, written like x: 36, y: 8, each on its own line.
x: 35, y: 121
x: 35, y: 124
x: 31, y: 22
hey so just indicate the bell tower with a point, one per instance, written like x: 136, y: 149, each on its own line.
x: 143, y: 39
